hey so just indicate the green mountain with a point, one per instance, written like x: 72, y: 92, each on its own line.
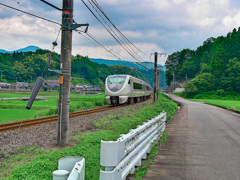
x: 25, y: 66
x: 215, y: 65
x: 26, y: 49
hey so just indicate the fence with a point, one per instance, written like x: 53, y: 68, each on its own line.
x: 120, y: 157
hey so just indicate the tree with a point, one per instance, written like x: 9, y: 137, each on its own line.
x: 202, y: 83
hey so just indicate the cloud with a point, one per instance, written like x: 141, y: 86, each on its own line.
x: 152, y: 25
x: 232, y: 20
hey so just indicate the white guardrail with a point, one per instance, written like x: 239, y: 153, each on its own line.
x: 120, y: 157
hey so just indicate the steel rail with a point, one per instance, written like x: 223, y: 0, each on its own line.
x: 32, y: 122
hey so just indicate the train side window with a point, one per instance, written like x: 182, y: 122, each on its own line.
x: 129, y: 82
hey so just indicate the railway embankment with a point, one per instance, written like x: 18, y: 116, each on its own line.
x: 35, y: 148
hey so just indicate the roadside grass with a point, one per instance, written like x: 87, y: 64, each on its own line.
x: 229, y: 104
x: 14, y: 110
x: 142, y: 170
x: 108, y: 128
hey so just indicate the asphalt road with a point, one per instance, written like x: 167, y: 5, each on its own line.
x: 203, y: 143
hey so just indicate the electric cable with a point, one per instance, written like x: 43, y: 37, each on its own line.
x: 124, y: 38
x: 30, y: 14
x: 100, y: 44
x: 28, y: 20
x: 99, y: 7
x: 108, y: 30
x: 129, y: 48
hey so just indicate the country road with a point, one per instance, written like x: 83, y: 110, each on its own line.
x: 203, y: 144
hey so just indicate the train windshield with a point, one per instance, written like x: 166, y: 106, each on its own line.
x: 115, y: 83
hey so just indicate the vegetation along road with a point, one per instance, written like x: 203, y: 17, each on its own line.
x: 203, y: 143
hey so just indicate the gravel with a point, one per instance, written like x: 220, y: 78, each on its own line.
x: 45, y: 135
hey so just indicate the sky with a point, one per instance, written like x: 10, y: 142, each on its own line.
x: 163, y: 26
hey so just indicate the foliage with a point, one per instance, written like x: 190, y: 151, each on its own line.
x: 41, y: 166
x: 204, y: 82
x: 219, y: 94
x: 218, y: 57
x: 27, y: 66
x: 141, y: 171
x: 229, y: 104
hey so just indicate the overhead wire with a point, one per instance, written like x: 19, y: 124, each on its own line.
x: 133, y: 21
x: 112, y: 52
x: 30, y: 14
x: 61, y: 25
x: 28, y: 20
x: 124, y: 37
x: 108, y: 30
x: 126, y: 45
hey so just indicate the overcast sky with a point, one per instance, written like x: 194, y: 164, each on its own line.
x: 163, y: 26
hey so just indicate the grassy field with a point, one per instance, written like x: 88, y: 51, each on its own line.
x: 13, y: 110
x: 36, y: 164
x: 230, y: 104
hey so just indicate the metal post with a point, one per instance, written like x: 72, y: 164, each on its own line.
x: 155, y: 77
x: 158, y: 82
x: 65, y: 77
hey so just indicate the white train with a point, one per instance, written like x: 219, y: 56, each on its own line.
x: 122, y: 89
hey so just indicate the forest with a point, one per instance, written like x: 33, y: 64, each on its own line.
x: 213, y: 66
x: 27, y: 66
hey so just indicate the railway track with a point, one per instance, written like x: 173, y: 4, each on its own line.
x: 33, y: 122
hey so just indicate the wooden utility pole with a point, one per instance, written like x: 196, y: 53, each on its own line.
x: 65, y: 77
x: 155, y: 77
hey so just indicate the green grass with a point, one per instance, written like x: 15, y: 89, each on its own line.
x: 109, y: 128
x: 141, y: 171
x: 14, y: 110
x: 229, y: 104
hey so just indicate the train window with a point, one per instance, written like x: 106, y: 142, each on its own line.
x: 115, y: 83
x: 137, y: 86
x: 129, y: 82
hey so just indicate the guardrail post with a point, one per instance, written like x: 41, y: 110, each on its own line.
x: 120, y: 157
x: 73, y: 164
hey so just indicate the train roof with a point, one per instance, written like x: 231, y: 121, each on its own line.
x: 130, y: 76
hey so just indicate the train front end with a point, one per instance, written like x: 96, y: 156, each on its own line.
x: 117, y: 89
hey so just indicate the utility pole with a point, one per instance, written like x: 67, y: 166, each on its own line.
x: 65, y: 68
x: 65, y: 77
x: 155, y: 74
x: 155, y: 77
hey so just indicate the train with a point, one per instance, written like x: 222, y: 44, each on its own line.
x: 123, y: 88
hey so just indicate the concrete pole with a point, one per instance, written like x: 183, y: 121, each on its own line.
x: 65, y: 77
x: 158, y: 82
x: 155, y: 77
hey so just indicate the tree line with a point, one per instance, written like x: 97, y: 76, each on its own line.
x: 27, y: 66
x: 213, y: 66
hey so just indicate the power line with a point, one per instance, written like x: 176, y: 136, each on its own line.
x: 124, y: 37
x: 30, y: 14
x: 28, y: 20
x: 129, y: 48
x: 108, y: 30
x: 91, y: 37
x: 130, y: 18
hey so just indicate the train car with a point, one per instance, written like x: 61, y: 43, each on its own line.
x: 124, y: 88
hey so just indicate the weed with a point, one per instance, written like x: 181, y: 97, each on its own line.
x: 3, y: 154
x: 39, y: 164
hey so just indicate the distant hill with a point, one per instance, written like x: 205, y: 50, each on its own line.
x: 142, y: 65
x: 26, y: 49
